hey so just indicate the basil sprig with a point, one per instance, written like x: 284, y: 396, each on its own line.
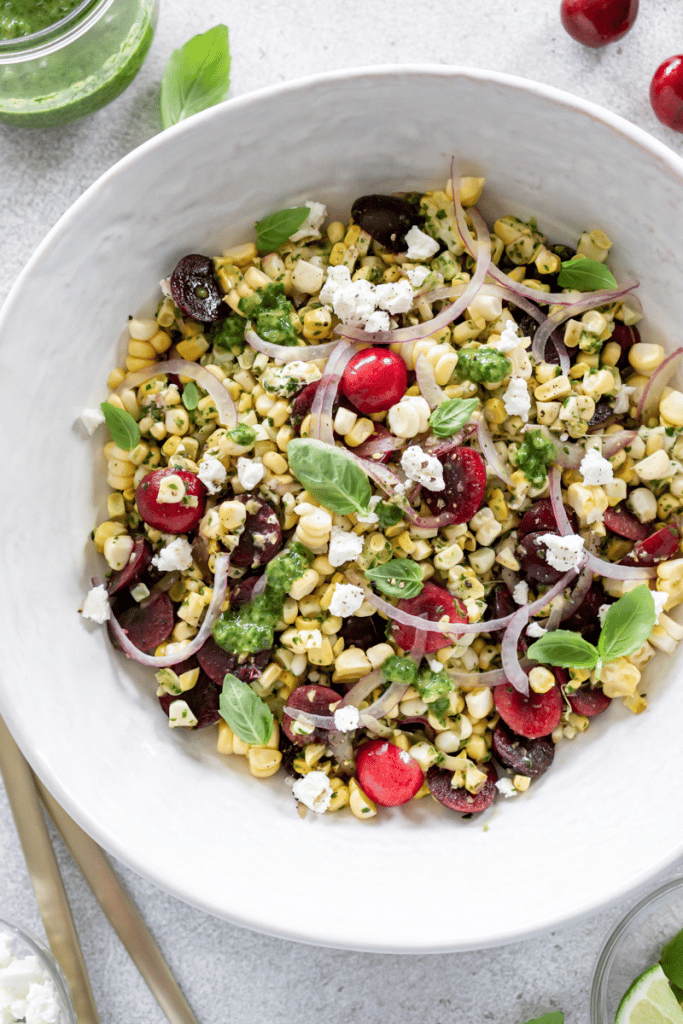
x: 451, y: 415
x: 274, y: 230
x: 585, y: 275
x: 330, y: 476
x: 401, y: 577
x: 628, y: 623
x: 248, y: 716
x: 196, y: 76
x: 124, y: 431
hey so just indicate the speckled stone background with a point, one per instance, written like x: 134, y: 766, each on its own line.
x: 227, y: 973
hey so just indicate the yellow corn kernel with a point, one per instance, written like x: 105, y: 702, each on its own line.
x: 362, y: 806
x: 263, y: 761
x: 541, y: 680
x: 106, y: 530
x: 192, y: 348
x: 494, y: 411
x: 225, y: 738
x: 240, y: 255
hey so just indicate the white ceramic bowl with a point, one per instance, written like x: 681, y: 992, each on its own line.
x: 415, y: 878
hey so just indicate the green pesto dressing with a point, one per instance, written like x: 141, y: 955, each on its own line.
x: 484, y: 364
x: 251, y: 627
x: 534, y: 456
x: 271, y: 312
x: 399, y: 669
x: 24, y: 17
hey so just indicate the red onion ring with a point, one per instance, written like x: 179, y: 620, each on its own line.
x: 654, y: 389
x: 220, y: 587
x: 514, y: 672
x: 489, y: 450
x: 322, y: 419
x: 289, y: 353
x: 579, y: 592
x: 227, y: 413
x: 619, y: 572
x: 360, y: 690
x: 559, y: 511
x: 426, y: 381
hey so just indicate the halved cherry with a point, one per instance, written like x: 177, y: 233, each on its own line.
x: 457, y: 797
x: 541, y: 517
x: 195, y: 290
x: 532, y: 716
x: 387, y: 774
x: 590, y: 701
x: 464, y: 474
x: 622, y: 522
x: 656, y: 548
x: 387, y: 219
x: 140, y: 558
x: 532, y: 552
x: 316, y: 699
x: 433, y: 602
x: 522, y: 755
x: 374, y: 380
x: 171, y: 516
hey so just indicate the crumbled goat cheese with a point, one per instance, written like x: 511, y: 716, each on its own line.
x: 180, y: 714
x: 378, y: 321
x: 165, y: 286
x: 176, y: 555
x: 372, y: 516
x: 516, y: 399
x: 311, y: 226
x: 286, y: 380
x: 660, y: 598
x: 535, y: 630
x: 96, y: 605
x: 505, y: 788
x: 563, y: 553
x: 423, y: 468
x: 212, y: 474
x: 249, y: 472
x: 395, y: 296
x: 347, y: 718
x: 520, y: 593
x: 346, y: 600
x: 417, y: 275
x: 420, y: 245
x: 594, y: 516
x: 621, y: 402
x: 344, y: 546
x: 355, y: 302
x: 310, y: 639
x: 27, y: 992
x: 314, y: 790
x: 434, y: 664
x: 509, y: 338
x: 595, y: 469
x: 91, y: 419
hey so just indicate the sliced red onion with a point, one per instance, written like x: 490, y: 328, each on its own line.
x: 380, y: 444
x: 576, y: 599
x: 225, y: 407
x: 322, y: 416
x: 387, y: 701
x: 161, y: 586
x: 619, y: 572
x: 426, y: 381
x: 308, y: 718
x: 360, y: 690
x: 259, y: 586
x: 555, y: 617
x: 654, y: 389
x: 342, y: 748
x: 569, y: 454
x: 489, y: 450
x: 289, y: 353
x: 508, y: 649
x: 559, y: 511
x: 371, y: 724
x: 612, y: 444
x: 220, y: 587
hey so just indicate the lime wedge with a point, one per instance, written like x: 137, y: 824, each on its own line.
x: 650, y: 1000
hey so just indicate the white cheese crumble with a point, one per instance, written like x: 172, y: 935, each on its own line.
x: 27, y: 992
x: 520, y: 593
x: 660, y: 598
x: 176, y: 555
x: 434, y: 664
x: 96, y: 605
x: 423, y: 468
x: 395, y: 296
x: 595, y: 469
x: 505, y: 788
x: 180, y: 714
x: 356, y: 302
x: 91, y: 419
x: 622, y: 403
x: 285, y: 380
x: 563, y: 553
x: 372, y: 516
x: 516, y: 399
x: 509, y: 338
x: 417, y: 275
x: 535, y: 630
x: 346, y: 719
x: 346, y: 600
x: 314, y: 790
x: 420, y: 245
x: 249, y: 472
x: 212, y: 474
x: 314, y: 220
x: 344, y: 546
x: 378, y: 321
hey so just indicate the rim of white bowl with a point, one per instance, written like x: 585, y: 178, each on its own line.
x: 165, y: 879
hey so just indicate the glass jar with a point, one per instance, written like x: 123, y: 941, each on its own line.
x: 76, y: 65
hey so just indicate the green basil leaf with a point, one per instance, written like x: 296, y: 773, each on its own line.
x: 330, y: 476
x: 401, y: 577
x: 196, y: 76
x: 451, y: 415
x: 564, y: 648
x: 274, y: 230
x: 190, y: 395
x: 124, y: 431
x: 585, y: 276
x: 671, y: 960
x: 247, y: 715
x: 628, y: 624
x: 555, y: 1017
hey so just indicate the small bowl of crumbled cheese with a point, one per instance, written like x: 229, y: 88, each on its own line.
x: 32, y: 987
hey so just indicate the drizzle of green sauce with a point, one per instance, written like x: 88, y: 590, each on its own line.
x: 534, y: 456
x: 484, y: 364
x: 399, y: 669
x: 250, y: 628
x: 272, y: 313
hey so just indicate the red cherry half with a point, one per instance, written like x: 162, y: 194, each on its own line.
x: 374, y: 380
x: 171, y: 517
x: 387, y: 774
x: 433, y: 602
x: 666, y: 93
x: 598, y: 22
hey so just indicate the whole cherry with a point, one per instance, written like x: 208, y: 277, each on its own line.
x: 598, y: 22
x: 374, y: 380
x: 666, y: 92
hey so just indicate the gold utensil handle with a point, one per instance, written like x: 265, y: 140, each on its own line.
x: 44, y: 873
x: 122, y: 913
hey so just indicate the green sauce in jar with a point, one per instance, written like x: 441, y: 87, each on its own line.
x: 19, y: 18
